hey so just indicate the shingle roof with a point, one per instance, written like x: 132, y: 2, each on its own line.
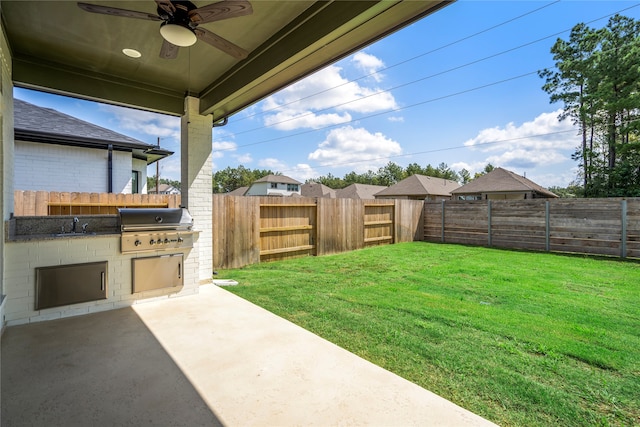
x: 29, y: 118
x: 359, y: 191
x: 279, y: 179
x: 421, y: 185
x: 501, y: 180
x: 314, y: 189
x: 238, y: 191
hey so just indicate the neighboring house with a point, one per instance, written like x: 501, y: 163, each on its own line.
x: 57, y: 152
x: 316, y: 190
x: 238, y: 192
x: 501, y: 184
x: 359, y: 191
x: 420, y: 187
x: 164, y: 189
x: 274, y: 185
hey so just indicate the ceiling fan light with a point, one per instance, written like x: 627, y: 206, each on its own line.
x: 178, y: 35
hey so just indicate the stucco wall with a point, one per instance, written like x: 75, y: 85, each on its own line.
x: 49, y: 167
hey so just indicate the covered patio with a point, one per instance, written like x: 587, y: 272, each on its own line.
x: 199, y: 356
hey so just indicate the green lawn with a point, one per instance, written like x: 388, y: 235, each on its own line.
x: 520, y: 338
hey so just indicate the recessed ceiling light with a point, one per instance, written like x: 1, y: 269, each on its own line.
x: 132, y: 53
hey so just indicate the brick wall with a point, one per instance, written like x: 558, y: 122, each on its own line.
x: 23, y: 257
x: 49, y: 167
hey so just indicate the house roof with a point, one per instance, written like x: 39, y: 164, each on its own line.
x: 238, y: 191
x: 280, y: 179
x: 163, y: 188
x: 359, y: 191
x: 421, y: 185
x: 46, y: 125
x: 501, y: 180
x: 314, y: 189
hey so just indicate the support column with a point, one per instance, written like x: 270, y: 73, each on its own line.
x: 6, y: 156
x: 197, y: 180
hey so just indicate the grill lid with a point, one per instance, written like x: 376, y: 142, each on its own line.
x: 155, y: 219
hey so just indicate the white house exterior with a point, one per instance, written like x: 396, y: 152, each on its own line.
x: 57, y: 152
x: 275, y: 185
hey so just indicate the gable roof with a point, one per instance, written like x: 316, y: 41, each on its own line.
x: 359, y: 191
x: 421, y: 185
x: 238, y: 191
x: 314, y: 189
x: 46, y: 125
x: 281, y: 179
x: 501, y: 180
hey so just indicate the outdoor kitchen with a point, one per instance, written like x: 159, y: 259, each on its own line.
x: 61, y: 266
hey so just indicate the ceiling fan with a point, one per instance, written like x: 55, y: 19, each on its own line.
x: 180, y: 23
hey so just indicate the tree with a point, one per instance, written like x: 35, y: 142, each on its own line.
x: 230, y: 179
x: 597, y: 78
x: 390, y: 174
x: 465, y: 176
x: 151, y: 182
x: 488, y: 168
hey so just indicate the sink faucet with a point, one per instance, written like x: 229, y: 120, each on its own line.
x: 84, y: 227
x: 75, y: 221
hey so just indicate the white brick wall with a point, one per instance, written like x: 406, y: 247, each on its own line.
x: 197, y: 180
x: 49, y: 167
x: 22, y: 258
x: 6, y: 156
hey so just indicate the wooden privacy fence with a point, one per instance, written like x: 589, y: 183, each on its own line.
x: 45, y: 203
x: 247, y: 230
x: 592, y: 226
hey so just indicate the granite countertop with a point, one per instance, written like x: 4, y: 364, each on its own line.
x: 60, y: 227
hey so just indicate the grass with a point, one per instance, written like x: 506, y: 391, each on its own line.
x: 520, y: 338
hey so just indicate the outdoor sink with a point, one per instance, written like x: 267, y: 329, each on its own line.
x: 74, y: 234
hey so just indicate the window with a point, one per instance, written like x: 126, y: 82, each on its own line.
x: 292, y: 187
x: 274, y: 185
x: 135, y: 180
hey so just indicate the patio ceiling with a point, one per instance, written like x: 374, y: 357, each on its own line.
x: 60, y: 48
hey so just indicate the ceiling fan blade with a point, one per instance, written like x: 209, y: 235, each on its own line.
x: 222, y: 10
x: 168, y: 50
x: 224, y: 45
x: 167, y: 6
x: 114, y: 11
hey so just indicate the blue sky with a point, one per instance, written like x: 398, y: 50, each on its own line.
x: 459, y: 87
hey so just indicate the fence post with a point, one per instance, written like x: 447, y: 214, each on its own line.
x: 547, y: 232
x: 623, y: 237
x: 442, y: 221
x: 489, y: 222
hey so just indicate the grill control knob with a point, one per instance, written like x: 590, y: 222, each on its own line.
x: 166, y: 241
x: 180, y: 240
x: 137, y: 243
x: 152, y: 242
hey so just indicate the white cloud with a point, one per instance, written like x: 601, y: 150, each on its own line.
x: 220, y: 148
x: 322, y: 99
x: 398, y: 119
x: 157, y: 125
x: 271, y: 163
x: 244, y: 158
x: 537, y: 143
x: 369, y: 64
x: 304, y: 172
x: 348, y: 144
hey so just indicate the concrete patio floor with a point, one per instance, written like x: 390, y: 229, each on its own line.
x: 204, y: 360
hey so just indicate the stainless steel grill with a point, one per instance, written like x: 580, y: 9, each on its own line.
x: 153, y: 229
